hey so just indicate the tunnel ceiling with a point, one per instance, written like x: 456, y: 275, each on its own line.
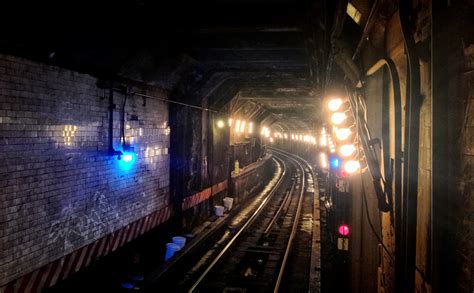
x: 237, y: 52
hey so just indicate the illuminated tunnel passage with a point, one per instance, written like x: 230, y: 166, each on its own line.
x: 142, y: 146
x: 261, y: 242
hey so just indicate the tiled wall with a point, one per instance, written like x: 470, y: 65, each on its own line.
x: 59, y: 190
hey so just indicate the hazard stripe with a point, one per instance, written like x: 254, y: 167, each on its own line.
x: 205, y: 194
x: 52, y: 272
x: 24, y: 283
x: 60, y: 269
x: 63, y: 267
x: 36, y: 279
x: 90, y: 253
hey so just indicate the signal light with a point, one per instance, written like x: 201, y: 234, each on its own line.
x: 343, y: 230
x: 335, y: 163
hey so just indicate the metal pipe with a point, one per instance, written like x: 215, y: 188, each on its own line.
x: 405, y: 266
x: 111, y: 121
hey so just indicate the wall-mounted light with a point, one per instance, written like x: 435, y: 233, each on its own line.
x: 237, y: 126
x: 334, y: 104
x: 343, y: 230
x: 347, y: 150
x: 127, y: 158
x: 342, y: 133
x: 338, y: 117
x: 220, y: 123
x: 351, y: 166
x: 323, y: 160
x: 242, y: 126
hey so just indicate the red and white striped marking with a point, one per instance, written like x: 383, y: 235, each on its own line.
x: 60, y: 269
x: 205, y: 194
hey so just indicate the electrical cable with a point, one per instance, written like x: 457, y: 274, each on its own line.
x: 372, y: 228
x: 370, y: 221
x: 123, y: 119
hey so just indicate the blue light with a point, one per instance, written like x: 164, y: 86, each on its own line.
x: 335, y: 163
x: 127, y: 158
x: 126, y: 161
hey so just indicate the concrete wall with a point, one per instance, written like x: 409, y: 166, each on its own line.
x: 59, y: 190
x: 251, y: 179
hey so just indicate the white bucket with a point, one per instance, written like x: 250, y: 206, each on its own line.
x: 219, y: 210
x: 171, y: 249
x: 228, y: 201
x: 179, y: 240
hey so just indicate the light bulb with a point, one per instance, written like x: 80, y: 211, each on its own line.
x: 334, y: 104
x: 324, y: 160
x: 347, y: 150
x: 343, y: 133
x: 338, y: 117
x: 351, y: 166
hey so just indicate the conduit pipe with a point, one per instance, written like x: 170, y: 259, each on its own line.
x: 405, y: 264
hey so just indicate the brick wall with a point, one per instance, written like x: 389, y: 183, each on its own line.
x: 59, y: 191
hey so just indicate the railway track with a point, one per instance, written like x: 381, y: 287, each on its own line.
x: 266, y: 248
x: 258, y: 257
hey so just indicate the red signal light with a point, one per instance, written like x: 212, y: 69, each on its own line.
x: 343, y: 230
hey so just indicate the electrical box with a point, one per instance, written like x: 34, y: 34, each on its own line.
x: 343, y: 243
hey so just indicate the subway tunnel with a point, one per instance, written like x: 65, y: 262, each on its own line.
x: 237, y: 146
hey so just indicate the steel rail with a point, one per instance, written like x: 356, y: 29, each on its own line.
x: 277, y: 213
x: 241, y: 230
x: 295, y: 222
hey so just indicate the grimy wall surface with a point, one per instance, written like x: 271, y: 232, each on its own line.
x: 59, y: 190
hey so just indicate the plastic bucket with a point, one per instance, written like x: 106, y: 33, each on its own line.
x: 171, y: 249
x: 179, y: 240
x: 219, y: 210
x: 228, y: 201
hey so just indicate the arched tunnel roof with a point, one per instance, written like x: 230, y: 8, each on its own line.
x: 242, y: 57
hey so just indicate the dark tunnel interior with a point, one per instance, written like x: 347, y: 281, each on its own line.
x: 237, y: 146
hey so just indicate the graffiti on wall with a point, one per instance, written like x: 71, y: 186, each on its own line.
x: 78, y: 225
